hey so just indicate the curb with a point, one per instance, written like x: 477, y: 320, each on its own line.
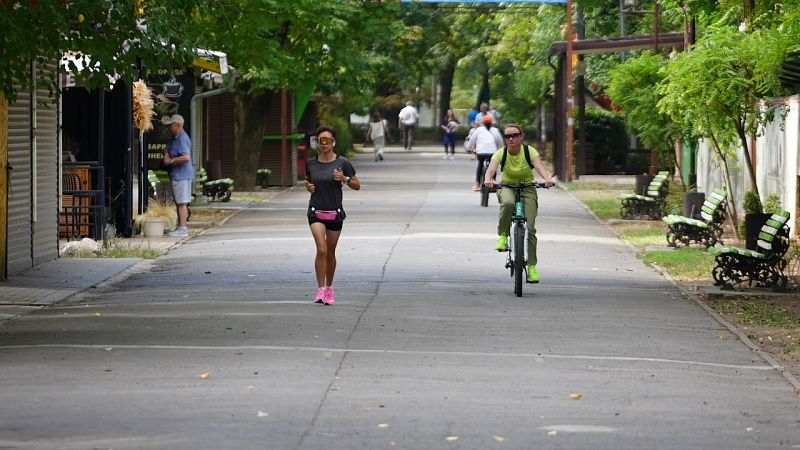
x: 789, y: 377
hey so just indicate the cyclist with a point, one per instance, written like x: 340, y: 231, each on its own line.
x: 516, y: 162
x: 484, y: 142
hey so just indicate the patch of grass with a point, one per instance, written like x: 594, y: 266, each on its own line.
x: 250, y: 196
x: 645, y: 235
x: 216, y: 215
x: 681, y: 264
x: 757, y: 312
x: 118, y: 250
x: 581, y: 186
x: 604, y: 205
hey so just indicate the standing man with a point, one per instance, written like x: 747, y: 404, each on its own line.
x: 178, y: 159
x: 407, y: 119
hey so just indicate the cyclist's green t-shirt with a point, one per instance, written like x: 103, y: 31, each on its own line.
x: 516, y: 169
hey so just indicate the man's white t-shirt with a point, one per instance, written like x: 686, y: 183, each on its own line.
x: 486, y: 141
x: 408, y: 115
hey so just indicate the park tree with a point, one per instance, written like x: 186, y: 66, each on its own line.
x: 717, y: 89
x: 632, y: 87
x: 526, y: 80
x: 283, y: 46
x: 107, y: 36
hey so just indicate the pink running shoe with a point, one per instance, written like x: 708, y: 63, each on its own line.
x: 329, y: 298
x: 322, y: 294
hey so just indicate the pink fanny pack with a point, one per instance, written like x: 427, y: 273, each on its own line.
x: 326, y: 215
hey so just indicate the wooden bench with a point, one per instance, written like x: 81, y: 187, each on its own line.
x: 762, y: 266
x: 651, y: 204
x: 706, y: 231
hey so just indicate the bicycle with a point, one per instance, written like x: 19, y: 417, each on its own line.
x: 485, y: 191
x: 518, y: 236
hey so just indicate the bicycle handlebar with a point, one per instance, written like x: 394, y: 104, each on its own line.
x: 523, y: 185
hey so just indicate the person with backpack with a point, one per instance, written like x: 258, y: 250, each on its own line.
x: 516, y: 162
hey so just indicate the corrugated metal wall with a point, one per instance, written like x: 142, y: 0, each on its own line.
x: 20, y: 231
x: 45, y: 225
x: 33, y: 181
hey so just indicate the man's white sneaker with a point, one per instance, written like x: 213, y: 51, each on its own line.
x: 179, y: 232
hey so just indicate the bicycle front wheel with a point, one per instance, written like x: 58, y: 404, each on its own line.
x: 519, y: 258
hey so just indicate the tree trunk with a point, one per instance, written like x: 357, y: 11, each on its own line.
x: 249, y: 123
x: 745, y: 146
x: 732, y: 212
x: 484, y: 93
x: 446, y: 81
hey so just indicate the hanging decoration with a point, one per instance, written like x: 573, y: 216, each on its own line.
x: 143, y: 106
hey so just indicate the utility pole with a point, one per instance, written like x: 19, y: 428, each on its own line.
x: 569, y: 147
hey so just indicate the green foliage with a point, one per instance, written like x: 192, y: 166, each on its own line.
x: 102, y: 34
x: 772, y: 204
x: 714, y: 89
x: 605, y: 130
x: 521, y: 76
x: 751, y: 203
x: 344, y: 139
x: 633, y: 88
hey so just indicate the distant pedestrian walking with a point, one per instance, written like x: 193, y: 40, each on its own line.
x: 408, y: 119
x: 377, y: 132
x: 325, y: 176
x: 449, y: 125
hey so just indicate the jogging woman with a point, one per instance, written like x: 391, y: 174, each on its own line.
x: 325, y: 176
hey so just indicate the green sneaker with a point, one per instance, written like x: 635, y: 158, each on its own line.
x: 502, y: 243
x: 533, y: 275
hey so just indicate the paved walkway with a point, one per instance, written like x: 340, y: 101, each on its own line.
x: 218, y: 344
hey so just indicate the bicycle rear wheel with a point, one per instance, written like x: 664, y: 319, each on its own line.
x: 519, y: 258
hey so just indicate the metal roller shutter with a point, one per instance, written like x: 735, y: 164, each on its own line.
x: 19, y: 255
x: 45, y: 177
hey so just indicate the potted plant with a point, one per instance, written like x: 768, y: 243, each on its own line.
x: 693, y: 202
x: 262, y: 177
x: 754, y: 218
x: 158, y: 216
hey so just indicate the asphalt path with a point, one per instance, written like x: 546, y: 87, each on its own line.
x: 218, y: 344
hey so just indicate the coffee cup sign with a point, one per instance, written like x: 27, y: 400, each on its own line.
x: 172, y: 88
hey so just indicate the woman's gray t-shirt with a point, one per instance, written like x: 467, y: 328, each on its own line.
x: 327, y: 195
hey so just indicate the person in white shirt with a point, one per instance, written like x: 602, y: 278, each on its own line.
x: 407, y: 120
x: 484, y: 141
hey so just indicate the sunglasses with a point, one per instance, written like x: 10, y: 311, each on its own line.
x: 512, y: 135
x: 326, y: 140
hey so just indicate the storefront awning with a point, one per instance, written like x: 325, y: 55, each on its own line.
x: 211, y: 60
